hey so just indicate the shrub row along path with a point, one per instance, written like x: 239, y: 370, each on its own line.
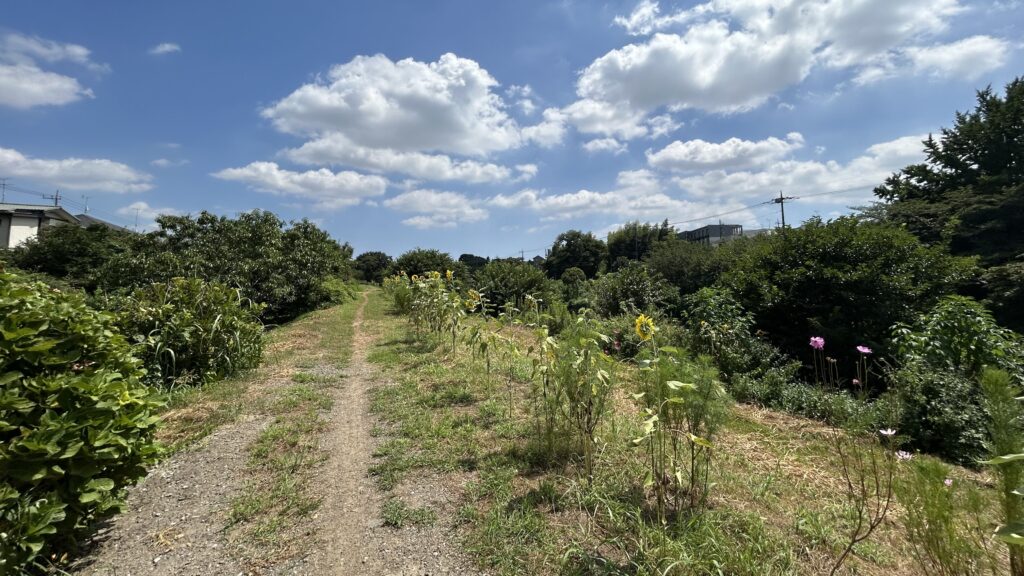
x: 177, y: 520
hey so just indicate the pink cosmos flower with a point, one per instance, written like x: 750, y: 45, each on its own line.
x: 863, y: 349
x: 903, y: 455
x: 948, y: 482
x: 887, y: 432
x: 856, y: 382
x: 817, y: 342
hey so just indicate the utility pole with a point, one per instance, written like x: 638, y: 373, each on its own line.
x: 137, y: 219
x: 86, y: 201
x: 3, y: 189
x: 56, y: 198
x: 781, y: 201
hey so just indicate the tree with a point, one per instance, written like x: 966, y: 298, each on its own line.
x: 71, y: 253
x: 473, y: 262
x: 689, y: 266
x: 635, y: 240
x: 968, y: 194
x: 373, y: 266
x: 421, y: 260
x: 575, y: 249
x: 845, y: 280
x: 511, y: 280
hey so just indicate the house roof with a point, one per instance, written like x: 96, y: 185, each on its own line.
x: 87, y: 220
x: 55, y: 212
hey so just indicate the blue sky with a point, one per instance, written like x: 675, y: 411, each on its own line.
x: 485, y: 127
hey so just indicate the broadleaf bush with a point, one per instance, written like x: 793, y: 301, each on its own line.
x: 76, y: 421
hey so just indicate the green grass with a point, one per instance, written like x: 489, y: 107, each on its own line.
x: 776, y: 505
x: 398, y: 514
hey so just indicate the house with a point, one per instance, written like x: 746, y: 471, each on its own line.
x: 715, y: 234
x: 20, y: 222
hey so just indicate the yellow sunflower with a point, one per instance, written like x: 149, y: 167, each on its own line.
x: 645, y: 327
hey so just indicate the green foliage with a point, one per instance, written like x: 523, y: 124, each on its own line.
x: 1006, y: 445
x: 575, y: 249
x: 940, y: 411
x: 690, y: 266
x: 282, y: 268
x: 632, y: 289
x: 941, y: 543
x: 187, y: 330
x: 76, y: 423
x: 473, y: 262
x: 338, y: 290
x: 504, y: 281
x: 969, y: 192
x: 419, y: 261
x: 373, y: 266
x: 71, y: 253
x: 846, y: 280
x: 958, y: 334
x: 635, y: 240
x: 1005, y: 294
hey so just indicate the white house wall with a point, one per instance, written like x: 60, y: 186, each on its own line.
x: 23, y: 228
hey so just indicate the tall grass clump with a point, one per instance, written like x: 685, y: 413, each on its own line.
x: 190, y: 331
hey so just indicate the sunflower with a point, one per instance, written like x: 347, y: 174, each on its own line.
x: 645, y: 327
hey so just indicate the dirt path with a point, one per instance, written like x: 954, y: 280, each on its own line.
x: 175, y: 521
x: 355, y: 542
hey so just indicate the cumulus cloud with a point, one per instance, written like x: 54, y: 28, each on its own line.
x: 604, y: 145
x: 336, y: 149
x: 969, y: 58
x: 836, y: 182
x: 638, y: 194
x: 410, y: 117
x: 729, y: 56
x: 436, y: 209
x: 25, y: 84
x: 144, y: 214
x: 327, y: 189
x: 164, y: 48
x: 734, y: 153
x: 96, y: 174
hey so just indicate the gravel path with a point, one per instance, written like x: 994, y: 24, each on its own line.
x: 355, y: 542
x: 174, y: 522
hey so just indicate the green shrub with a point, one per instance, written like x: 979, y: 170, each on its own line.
x: 373, y: 266
x: 631, y: 290
x: 76, y: 423
x: 846, y: 280
x: 504, y: 281
x: 188, y: 330
x: 282, y: 267
x: 339, y: 290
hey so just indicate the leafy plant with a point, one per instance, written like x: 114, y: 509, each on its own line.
x: 189, y: 330
x: 1006, y: 444
x: 76, y: 423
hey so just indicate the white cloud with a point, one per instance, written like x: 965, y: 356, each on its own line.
x: 523, y: 96
x: 526, y: 172
x: 168, y: 163
x: 436, y: 209
x: 412, y: 118
x: 336, y: 149
x: 25, y: 84
x: 164, y: 48
x: 97, y: 174
x: 145, y: 214
x: 968, y: 58
x: 729, y: 56
x: 328, y: 190
x: 731, y: 154
x: 604, y: 145
x: 443, y: 106
x: 638, y: 194
x: 852, y: 181
x: 662, y: 125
